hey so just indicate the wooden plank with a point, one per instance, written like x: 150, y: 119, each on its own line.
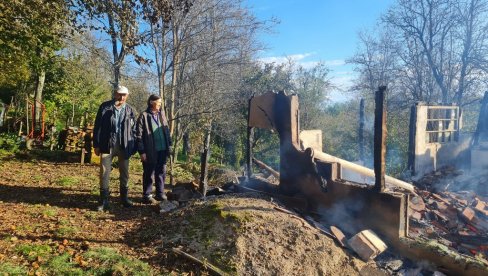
x: 340, y: 237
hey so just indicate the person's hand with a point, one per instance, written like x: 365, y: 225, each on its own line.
x: 97, y: 151
x: 143, y: 157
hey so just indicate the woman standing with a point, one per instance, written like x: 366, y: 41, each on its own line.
x: 154, y: 145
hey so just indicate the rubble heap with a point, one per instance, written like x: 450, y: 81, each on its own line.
x: 452, y: 208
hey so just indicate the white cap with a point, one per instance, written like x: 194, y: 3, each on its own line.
x: 122, y: 90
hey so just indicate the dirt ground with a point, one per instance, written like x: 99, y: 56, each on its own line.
x: 48, y: 201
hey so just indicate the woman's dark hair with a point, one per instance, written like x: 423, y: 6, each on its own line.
x: 152, y: 98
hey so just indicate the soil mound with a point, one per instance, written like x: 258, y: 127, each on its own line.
x: 244, y: 234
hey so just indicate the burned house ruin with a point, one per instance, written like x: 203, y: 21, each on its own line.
x: 314, y: 181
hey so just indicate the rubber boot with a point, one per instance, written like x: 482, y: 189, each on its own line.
x: 104, y: 201
x: 124, y: 197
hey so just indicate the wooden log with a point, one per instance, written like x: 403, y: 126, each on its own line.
x: 362, y: 170
x: 263, y: 166
x: 205, y: 264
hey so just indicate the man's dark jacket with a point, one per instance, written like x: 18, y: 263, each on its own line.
x: 145, y: 138
x: 104, y: 136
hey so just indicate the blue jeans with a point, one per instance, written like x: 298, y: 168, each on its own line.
x: 157, y: 171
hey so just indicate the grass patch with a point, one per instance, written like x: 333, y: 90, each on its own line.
x: 67, y: 181
x: 11, y: 269
x: 61, y: 265
x: 49, y: 212
x: 107, y: 261
x: 213, y: 227
x: 99, y: 261
x: 44, y: 210
x: 65, y: 230
x: 33, y: 251
x: 181, y: 174
x: 221, y: 259
x: 92, y: 215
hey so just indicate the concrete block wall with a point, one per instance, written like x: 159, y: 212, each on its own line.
x: 432, y: 156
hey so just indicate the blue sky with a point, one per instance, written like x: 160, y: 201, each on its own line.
x: 319, y: 30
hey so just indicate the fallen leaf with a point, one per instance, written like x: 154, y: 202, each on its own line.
x: 83, y: 263
x: 79, y: 260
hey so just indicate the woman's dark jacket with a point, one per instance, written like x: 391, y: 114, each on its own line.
x: 104, y: 136
x: 144, y: 135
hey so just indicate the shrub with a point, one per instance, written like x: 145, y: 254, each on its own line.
x: 9, y: 142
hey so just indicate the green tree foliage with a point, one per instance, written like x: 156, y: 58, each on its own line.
x: 77, y: 82
x: 312, y: 86
x: 31, y: 31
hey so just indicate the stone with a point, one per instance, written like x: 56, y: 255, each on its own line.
x: 166, y: 206
x: 367, y: 245
x: 394, y: 265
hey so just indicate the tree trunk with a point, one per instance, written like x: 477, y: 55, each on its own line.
x: 204, y: 162
x: 41, y: 77
x: 118, y: 58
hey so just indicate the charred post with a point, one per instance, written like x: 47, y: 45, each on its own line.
x: 380, y: 139
x: 361, y: 130
x: 411, y: 138
x: 482, y: 124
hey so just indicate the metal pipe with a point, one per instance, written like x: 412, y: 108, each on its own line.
x: 362, y: 170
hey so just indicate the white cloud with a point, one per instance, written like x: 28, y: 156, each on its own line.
x: 335, y: 62
x: 300, y: 60
x: 283, y: 59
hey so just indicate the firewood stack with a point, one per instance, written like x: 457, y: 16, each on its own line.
x: 74, y: 140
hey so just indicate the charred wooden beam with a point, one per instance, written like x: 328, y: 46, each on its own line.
x: 380, y: 139
x: 411, y: 138
x: 482, y: 124
x: 263, y: 166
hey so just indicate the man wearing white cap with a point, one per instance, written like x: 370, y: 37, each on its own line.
x: 114, y: 135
